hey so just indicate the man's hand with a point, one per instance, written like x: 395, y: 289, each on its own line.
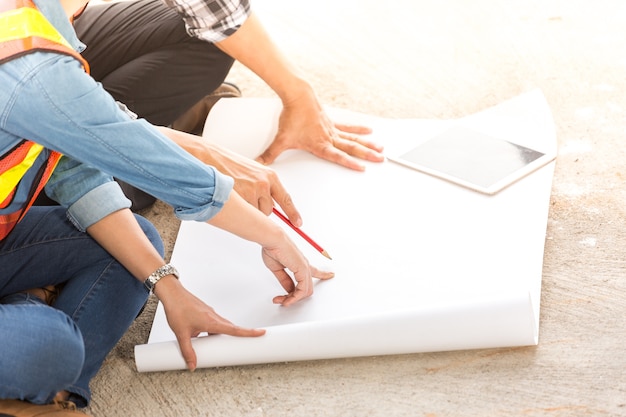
x: 303, y: 124
x: 257, y: 184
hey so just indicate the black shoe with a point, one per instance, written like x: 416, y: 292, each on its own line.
x: 192, y: 121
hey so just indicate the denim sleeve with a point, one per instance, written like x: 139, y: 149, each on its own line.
x: 96, y: 197
x: 76, y: 117
x: 97, y: 204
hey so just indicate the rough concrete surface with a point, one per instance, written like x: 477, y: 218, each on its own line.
x: 447, y: 59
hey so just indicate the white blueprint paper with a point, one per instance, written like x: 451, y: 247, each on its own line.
x: 421, y: 264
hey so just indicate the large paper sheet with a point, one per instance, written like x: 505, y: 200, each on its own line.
x: 421, y: 264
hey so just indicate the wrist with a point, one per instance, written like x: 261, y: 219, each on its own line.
x: 295, y: 90
x: 273, y: 236
x: 167, y: 289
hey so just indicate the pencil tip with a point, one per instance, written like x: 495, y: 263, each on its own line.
x: 327, y: 255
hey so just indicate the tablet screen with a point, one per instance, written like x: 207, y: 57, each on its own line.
x: 473, y: 159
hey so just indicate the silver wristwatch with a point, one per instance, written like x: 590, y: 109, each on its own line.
x: 154, y: 277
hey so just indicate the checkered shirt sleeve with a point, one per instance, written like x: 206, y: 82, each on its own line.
x: 211, y: 20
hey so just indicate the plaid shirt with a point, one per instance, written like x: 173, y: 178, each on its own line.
x: 211, y: 20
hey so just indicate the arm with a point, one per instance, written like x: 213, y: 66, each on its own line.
x: 98, y: 141
x: 256, y: 183
x: 303, y: 123
x: 187, y: 315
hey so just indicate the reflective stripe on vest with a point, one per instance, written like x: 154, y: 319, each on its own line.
x: 13, y: 166
x: 27, y: 22
x: 23, y: 29
x: 25, y: 155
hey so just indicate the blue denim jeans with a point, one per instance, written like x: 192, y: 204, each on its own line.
x: 47, y: 349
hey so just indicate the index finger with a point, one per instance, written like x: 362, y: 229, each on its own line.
x: 186, y: 350
x: 334, y: 154
x: 283, y: 199
x: 303, y: 289
x: 360, y: 148
x: 220, y: 326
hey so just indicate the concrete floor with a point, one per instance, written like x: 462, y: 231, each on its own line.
x: 447, y: 59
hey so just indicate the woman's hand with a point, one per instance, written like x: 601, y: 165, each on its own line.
x: 280, y: 254
x: 188, y: 317
x: 120, y: 234
x: 285, y: 257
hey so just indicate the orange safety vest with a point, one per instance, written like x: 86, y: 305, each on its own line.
x: 24, y: 29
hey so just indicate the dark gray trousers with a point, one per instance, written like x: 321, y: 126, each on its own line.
x: 142, y: 55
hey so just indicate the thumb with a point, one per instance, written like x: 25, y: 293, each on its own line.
x: 270, y: 154
x: 186, y: 349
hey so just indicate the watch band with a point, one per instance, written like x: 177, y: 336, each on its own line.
x: 154, y: 277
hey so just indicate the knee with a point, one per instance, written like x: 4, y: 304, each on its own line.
x: 45, y: 354
x: 64, y: 350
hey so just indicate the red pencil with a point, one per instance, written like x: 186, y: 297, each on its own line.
x: 301, y: 233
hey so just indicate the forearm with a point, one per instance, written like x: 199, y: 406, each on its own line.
x: 121, y: 236
x: 200, y: 148
x: 224, y: 160
x: 252, y: 46
x: 258, y: 184
x: 243, y: 220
